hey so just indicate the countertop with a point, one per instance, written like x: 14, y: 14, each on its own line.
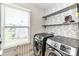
x: 66, y: 40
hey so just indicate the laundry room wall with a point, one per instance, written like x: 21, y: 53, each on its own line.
x: 62, y: 30
x: 36, y: 18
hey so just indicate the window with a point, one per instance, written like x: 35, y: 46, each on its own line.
x: 16, y: 17
x: 16, y: 25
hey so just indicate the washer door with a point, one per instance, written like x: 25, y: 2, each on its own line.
x: 52, y: 52
x: 37, y: 48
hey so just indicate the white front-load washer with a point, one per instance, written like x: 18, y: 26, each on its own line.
x: 54, y: 48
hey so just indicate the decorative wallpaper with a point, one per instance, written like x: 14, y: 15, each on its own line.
x: 63, y: 30
x: 59, y: 18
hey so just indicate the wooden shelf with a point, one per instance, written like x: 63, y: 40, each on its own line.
x: 62, y: 10
x: 61, y: 24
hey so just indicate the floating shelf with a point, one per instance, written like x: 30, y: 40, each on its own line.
x: 61, y: 24
x: 62, y: 10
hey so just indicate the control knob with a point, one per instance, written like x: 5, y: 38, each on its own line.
x: 55, y: 45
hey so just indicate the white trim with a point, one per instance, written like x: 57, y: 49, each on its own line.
x: 2, y: 26
x: 1, y: 52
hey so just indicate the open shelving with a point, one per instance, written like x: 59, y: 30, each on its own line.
x: 75, y: 5
x: 62, y: 10
x: 61, y: 24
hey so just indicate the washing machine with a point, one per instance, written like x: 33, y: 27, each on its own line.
x: 39, y: 43
x: 55, y: 48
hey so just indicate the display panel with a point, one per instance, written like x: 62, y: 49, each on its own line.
x: 65, y: 49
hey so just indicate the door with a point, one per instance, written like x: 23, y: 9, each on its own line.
x: 52, y: 52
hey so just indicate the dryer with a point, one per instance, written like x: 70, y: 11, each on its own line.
x: 39, y: 43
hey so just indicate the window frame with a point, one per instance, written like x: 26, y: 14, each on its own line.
x: 3, y: 21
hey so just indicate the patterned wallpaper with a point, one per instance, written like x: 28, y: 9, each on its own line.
x: 63, y: 30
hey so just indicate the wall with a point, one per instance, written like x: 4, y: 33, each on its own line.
x: 36, y: 18
x: 62, y: 30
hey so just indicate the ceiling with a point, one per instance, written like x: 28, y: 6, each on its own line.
x: 44, y: 5
x: 38, y: 5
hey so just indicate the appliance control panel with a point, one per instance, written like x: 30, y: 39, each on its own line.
x: 65, y: 48
x: 68, y: 50
x: 53, y: 43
